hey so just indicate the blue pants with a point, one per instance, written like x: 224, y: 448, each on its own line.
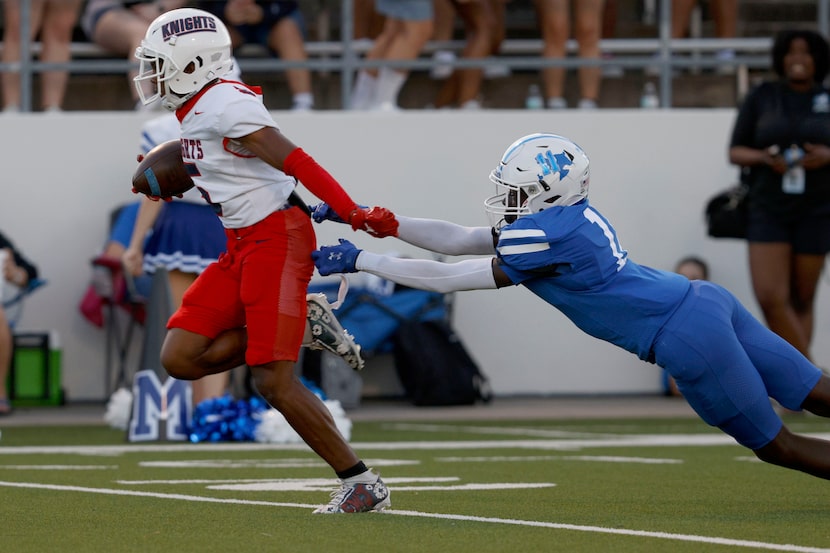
x: 728, y: 364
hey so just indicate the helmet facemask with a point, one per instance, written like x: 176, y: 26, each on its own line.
x: 155, y: 72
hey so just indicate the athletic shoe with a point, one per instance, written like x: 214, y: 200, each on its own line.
x: 358, y: 497
x: 328, y: 334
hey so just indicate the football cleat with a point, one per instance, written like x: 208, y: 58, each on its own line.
x: 328, y: 334
x: 357, y: 497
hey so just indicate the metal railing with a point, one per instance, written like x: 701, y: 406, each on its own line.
x: 344, y: 56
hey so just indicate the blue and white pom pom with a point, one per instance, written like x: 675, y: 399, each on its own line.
x: 119, y: 409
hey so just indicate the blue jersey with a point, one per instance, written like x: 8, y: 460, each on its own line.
x: 725, y: 362
x: 571, y: 258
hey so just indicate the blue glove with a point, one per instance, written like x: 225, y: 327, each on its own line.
x: 323, y: 212
x: 336, y: 259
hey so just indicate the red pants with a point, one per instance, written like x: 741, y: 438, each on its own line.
x: 261, y: 283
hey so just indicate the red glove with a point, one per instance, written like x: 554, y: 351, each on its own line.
x: 377, y: 221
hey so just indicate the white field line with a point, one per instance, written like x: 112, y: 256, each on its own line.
x: 58, y: 467
x: 643, y: 440
x: 466, y: 518
x: 497, y: 430
x: 633, y: 440
x: 535, y: 458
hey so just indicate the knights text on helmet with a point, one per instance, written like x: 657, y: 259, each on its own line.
x: 187, y: 25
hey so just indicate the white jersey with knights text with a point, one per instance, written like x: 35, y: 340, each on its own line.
x: 242, y: 188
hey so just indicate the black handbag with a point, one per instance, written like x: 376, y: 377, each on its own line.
x: 726, y: 212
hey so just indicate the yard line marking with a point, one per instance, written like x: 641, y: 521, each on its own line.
x: 183, y: 497
x: 304, y: 483
x: 508, y: 431
x: 637, y: 440
x: 285, y: 486
x: 599, y: 458
x: 267, y: 463
x: 617, y: 531
x: 59, y: 467
x: 467, y: 518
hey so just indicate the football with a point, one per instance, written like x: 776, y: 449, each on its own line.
x: 162, y: 172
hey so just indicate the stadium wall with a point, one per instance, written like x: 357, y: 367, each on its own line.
x: 651, y: 174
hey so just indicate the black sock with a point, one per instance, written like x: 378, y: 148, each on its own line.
x: 359, y: 468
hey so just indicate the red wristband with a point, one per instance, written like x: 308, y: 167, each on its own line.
x: 319, y: 182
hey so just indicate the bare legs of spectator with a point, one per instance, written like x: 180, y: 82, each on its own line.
x: 554, y: 20
x: 286, y: 39
x: 400, y: 40
x: 53, y: 21
x: 724, y: 14
x: 498, y: 32
x: 120, y: 31
x: 368, y: 23
x: 463, y: 87
x: 785, y: 288
x: 443, y: 29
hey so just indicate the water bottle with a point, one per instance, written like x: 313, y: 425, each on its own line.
x: 793, y: 180
x: 534, y: 98
x: 649, y: 99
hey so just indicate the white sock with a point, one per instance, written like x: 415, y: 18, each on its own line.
x: 302, y: 101
x: 390, y: 83
x: 363, y: 94
x: 367, y: 477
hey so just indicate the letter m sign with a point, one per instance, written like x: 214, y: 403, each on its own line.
x: 160, y: 411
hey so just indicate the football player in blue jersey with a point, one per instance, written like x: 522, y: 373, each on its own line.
x: 547, y: 237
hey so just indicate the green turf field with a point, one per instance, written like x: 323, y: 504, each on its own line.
x: 671, y: 485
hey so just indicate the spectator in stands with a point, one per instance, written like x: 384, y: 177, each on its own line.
x: 725, y: 16
x: 406, y: 29
x: 498, y: 12
x: 693, y: 268
x: 368, y: 23
x: 277, y: 25
x: 443, y: 29
x: 18, y: 271
x: 555, y: 24
x: 609, y: 30
x: 52, y: 22
x: 463, y: 87
x: 789, y: 198
x: 118, y: 27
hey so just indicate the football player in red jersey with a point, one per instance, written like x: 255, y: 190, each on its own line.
x: 250, y: 306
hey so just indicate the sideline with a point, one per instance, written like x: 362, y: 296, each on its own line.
x: 465, y: 518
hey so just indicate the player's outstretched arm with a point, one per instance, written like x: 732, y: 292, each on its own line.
x: 431, y: 234
x: 435, y: 276
x: 445, y: 237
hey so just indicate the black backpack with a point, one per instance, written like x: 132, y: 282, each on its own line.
x: 434, y: 367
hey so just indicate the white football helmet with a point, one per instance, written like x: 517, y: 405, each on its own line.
x: 182, y: 51
x: 536, y: 172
